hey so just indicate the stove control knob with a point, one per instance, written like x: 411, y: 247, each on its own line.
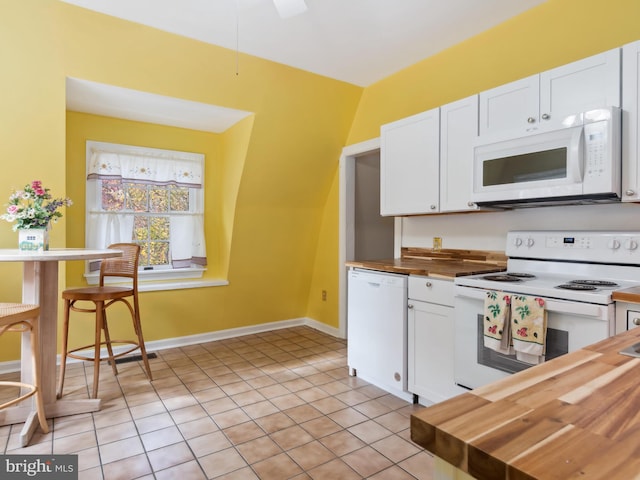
x: 614, y: 244
x: 530, y: 242
x: 517, y: 241
x: 630, y: 244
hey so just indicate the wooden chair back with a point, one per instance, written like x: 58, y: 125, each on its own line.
x: 125, y: 266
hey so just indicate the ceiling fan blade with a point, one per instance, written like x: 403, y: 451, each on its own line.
x: 289, y: 8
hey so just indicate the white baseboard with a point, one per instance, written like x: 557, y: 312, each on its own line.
x: 14, y: 365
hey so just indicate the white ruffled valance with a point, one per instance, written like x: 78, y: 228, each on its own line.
x: 145, y: 169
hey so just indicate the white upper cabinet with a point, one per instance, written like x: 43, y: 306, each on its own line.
x: 409, y: 165
x: 458, y: 132
x: 510, y: 107
x: 587, y: 84
x: 631, y: 122
x: 543, y: 101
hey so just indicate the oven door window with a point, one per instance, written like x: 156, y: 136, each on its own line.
x: 557, y: 343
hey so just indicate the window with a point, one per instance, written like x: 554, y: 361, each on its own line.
x: 151, y: 197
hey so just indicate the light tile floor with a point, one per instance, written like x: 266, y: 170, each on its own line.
x: 270, y: 406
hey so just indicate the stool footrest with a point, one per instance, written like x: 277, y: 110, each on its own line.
x: 73, y: 354
x: 32, y: 390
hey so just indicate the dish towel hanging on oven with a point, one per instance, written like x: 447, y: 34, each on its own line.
x: 528, y: 328
x: 497, y: 327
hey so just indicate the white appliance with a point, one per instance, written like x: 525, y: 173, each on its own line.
x: 377, y: 329
x: 574, y: 272
x: 577, y: 164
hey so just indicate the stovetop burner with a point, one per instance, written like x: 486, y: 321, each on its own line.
x: 502, y: 277
x: 508, y: 277
x: 595, y: 283
x: 576, y: 286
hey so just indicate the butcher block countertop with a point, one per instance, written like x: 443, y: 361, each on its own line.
x: 574, y: 417
x: 438, y: 263
x: 631, y: 295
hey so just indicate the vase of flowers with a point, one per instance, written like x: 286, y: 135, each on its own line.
x: 32, y: 211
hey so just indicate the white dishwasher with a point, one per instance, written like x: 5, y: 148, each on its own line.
x: 377, y: 329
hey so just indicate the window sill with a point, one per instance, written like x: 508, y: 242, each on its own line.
x: 183, y: 285
x: 151, y: 281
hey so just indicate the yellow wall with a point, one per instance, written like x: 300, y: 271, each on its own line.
x: 554, y: 33
x: 278, y: 230
x: 275, y: 168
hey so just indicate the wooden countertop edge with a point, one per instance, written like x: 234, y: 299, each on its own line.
x: 446, y: 264
x: 577, y: 401
x: 631, y: 295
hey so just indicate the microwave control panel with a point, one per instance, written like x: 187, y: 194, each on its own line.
x: 602, y: 154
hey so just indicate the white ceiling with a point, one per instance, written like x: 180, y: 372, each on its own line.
x: 355, y: 41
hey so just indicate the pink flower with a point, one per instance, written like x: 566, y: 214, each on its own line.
x: 12, y: 209
x: 540, y: 301
x: 37, y: 187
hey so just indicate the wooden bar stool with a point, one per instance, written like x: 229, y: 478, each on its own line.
x: 102, y: 297
x: 20, y: 317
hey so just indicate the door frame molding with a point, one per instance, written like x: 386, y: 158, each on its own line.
x: 346, y: 229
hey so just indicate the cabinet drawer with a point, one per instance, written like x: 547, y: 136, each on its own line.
x: 633, y: 319
x: 431, y: 290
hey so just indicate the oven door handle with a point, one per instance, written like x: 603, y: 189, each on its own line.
x: 598, y: 312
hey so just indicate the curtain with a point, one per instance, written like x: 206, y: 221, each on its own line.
x: 145, y: 169
x: 187, y: 245
x: 187, y: 240
x: 103, y: 229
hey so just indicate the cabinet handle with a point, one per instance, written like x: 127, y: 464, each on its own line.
x: 471, y: 204
x: 410, y: 306
x: 531, y: 120
x: 629, y: 193
x: 433, y: 207
x: 546, y: 116
x: 636, y: 321
x: 429, y: 284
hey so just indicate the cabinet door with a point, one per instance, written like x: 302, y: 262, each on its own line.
x: 409, y: 165
x: 587, y: 84
x: 630, y: 122
x: 510, y: 108
x: 458, y: 132
x: 430, y: 351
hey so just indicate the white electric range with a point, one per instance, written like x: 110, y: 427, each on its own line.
x: 574, y: 272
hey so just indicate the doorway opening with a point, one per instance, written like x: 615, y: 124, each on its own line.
x: 363, y: 233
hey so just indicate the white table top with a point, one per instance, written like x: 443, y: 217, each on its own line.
x: 56, y: 254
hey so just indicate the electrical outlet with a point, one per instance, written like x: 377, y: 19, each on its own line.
x: 324, y: 295
x: 437, y: 243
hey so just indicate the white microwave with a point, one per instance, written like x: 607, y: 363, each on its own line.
x: 579, y: 163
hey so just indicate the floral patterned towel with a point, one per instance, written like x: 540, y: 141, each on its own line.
x: 528, y: 328
x: 497, y: 335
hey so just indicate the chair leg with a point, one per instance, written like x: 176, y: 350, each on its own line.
x: 96, y: 355
x: 137, y: 325
x: 42, y: 418
x: 65, y: 344
x: 107, y: 340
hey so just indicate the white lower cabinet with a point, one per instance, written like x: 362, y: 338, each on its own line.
x: 430, y: 343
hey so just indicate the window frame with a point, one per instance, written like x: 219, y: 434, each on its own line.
x: 93, y: 198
